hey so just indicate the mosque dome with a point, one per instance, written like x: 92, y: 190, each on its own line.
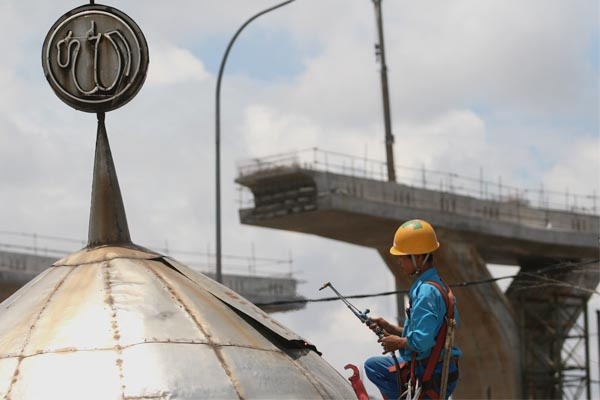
x: 123, y: 322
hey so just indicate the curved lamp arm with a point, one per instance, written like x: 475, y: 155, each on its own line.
x: 219, y: 276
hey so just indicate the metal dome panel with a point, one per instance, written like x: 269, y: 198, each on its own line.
x: 130, y: 324
x: 19, y: 312
x: 236, y: 301
x: 74, y: 374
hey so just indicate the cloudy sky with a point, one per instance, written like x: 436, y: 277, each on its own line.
x: 507, y: 89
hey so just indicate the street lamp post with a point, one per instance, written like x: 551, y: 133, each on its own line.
x: 389, y: 137
x: 219, y: 276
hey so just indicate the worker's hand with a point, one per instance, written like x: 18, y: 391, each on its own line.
x: 392, y: 343
x: 379, y: 323
x: 385, y: 326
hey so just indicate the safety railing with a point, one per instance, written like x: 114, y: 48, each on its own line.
x: 443, y: 181
x: 56, y: 247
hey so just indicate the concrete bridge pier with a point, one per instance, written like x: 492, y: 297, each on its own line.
x: 488, y: 333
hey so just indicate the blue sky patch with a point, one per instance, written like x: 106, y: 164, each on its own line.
x: 260, y: 54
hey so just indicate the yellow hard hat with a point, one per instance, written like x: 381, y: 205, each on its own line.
x: 414, y: 237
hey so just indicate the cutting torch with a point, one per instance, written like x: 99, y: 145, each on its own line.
x: 362, y: 315
x: 364, y: 318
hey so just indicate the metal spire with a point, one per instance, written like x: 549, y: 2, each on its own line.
x: 108, y: 222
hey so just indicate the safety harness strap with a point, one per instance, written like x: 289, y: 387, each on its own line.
x: 440, y: 339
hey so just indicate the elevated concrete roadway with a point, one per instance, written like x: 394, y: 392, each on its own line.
x: 507, y: 353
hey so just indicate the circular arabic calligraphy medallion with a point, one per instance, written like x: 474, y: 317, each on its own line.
x: 95, y: 58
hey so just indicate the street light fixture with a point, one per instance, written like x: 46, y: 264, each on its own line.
x: 218, y: 275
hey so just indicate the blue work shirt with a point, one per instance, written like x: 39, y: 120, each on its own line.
x: 427, y: 314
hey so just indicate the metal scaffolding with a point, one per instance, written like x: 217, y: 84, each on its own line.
x: 555, y: 334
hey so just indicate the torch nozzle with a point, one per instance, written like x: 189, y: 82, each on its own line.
x: 325, y: 285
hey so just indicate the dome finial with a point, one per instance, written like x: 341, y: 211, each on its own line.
x: 108, y: 222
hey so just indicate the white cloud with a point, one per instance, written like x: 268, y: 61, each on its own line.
x: 171, y: 64
x: 267, y: 132
x: 451, y: 141
x: 492, y: 52
x: 578, y: 168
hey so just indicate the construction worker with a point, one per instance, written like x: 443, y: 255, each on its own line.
x: 426, y: 321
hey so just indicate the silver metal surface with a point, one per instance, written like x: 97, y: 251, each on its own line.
x: 236, y: 301
x: 117, y: 322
